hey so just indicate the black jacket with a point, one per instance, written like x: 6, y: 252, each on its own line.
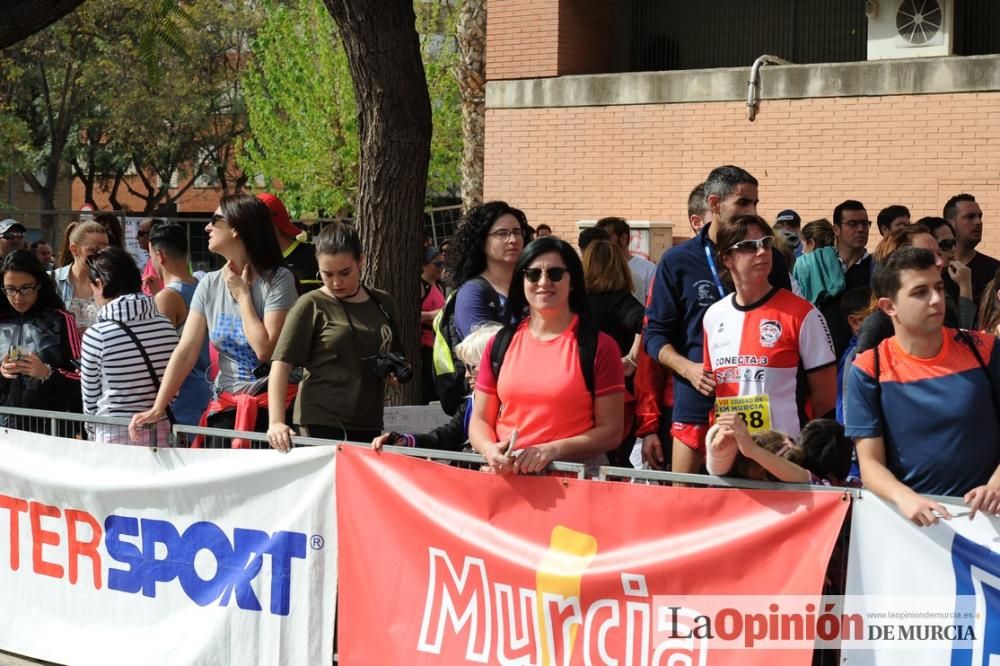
x: 52, y: 334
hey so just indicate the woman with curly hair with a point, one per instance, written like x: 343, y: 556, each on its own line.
x: 481, y: 262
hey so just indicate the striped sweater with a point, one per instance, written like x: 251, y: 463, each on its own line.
x: 114, y: 377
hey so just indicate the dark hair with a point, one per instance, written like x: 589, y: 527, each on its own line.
x: 517, y: 303
x: 697, y: 203
x: 724, y: 179
x: 826, y: 450
x: 543, y: 226
x: 35, y: 244
x: 251, y: 219
x: 468, y: 257
x: 935, y: 223
x: 605, y: 268
x: 616, y: 224
x: 337, y: 237
x: 25, y: 261
x: 111, y: 223
x: 733, y: 232
x: 902, y: 237
x: 888, y: 214
x: 819, y: 232
x: 117, y: 270
x: 590, y: 234
x: 989, y: 306
x: 855, y: 301
x: 838, y: 212
x: 951, y: 208
x: 886, y: 282
x: 169, y: 238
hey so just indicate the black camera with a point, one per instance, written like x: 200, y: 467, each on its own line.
x: 391, y: 362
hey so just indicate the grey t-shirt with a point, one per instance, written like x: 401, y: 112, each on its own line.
x: 225, y: 326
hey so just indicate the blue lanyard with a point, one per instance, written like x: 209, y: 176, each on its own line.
x: 715, y: 271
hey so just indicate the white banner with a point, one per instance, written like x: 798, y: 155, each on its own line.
x: 124, y: 555
x: 929, y: 596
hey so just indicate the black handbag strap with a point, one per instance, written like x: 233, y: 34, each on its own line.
x: 149, y: 363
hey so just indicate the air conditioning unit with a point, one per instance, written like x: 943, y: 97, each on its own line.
x: 909, y: 28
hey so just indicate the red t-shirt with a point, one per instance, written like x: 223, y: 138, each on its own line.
x: 542, y: 391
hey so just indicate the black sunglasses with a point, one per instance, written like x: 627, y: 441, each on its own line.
x: 555, y: 274
x: 216, y: 219
x: 947, y: 244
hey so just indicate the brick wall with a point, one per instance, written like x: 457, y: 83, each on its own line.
x: 540, y: 38
x: 522, y: 39
x: 565, y: 164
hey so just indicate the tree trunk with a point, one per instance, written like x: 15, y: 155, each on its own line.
x: 20, y: 19
x: 472, y: 84
x: 394, y: 115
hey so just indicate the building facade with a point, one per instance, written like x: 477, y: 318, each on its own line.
x: 621, y: 107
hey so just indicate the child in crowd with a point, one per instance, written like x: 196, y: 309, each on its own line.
x: 822, y: 456
x: 854, y: 304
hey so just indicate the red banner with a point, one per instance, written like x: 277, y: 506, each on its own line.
x: 447, y: 566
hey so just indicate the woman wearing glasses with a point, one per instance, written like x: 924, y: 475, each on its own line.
x: 757, y: 338
x: 481, y: 262
x: 39, y: 342
x: 554, y: 380
x: 241, y: 308
x: 432, y: 300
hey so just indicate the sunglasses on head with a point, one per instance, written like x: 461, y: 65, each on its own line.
x: 752, y: 245
x: 947, y: 244
x: 555, y: 274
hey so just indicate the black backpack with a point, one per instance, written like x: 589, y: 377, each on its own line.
x: 586, y: 341
x: 449, y: 372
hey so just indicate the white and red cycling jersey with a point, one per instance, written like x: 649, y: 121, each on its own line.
x: 755, y: 354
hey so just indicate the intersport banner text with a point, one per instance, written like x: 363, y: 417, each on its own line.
x: 441, y: 565
x: 113, y: 554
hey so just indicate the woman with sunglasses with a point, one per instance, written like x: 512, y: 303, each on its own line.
x: 432, y: 300
x: 39, y: 342
x: 541, y: 391
x: 957, y: 276
x: 758, y: 338
x: 241, y: 308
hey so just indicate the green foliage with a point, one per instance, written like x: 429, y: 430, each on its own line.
x: 301, y: 109
x: 302, y: 112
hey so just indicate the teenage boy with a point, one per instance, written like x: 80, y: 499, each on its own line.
x: 922, y: 405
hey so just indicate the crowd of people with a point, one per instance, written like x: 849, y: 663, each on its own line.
x: 781, y: 351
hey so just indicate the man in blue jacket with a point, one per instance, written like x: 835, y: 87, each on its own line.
x: 687, y: 282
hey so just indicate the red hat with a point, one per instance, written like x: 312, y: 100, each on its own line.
x: 279, y: 215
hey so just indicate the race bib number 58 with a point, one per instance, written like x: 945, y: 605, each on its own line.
x: 755, y: 410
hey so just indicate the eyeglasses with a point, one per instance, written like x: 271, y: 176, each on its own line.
x: 854, y: 224
x: 947, y: 244
x: 753, y: 245
x: 13, y: 235
x: 26, y: 290
x: 555, y: 274
x: 216, y: 219
x: 506, y: 234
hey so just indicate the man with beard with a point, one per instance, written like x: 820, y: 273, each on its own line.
x: 966, y: 217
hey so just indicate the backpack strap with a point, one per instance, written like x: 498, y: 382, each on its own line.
x: 966, y: 337
x: 149, y: 363
x: 425, y: 289
x: 586, y: 342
